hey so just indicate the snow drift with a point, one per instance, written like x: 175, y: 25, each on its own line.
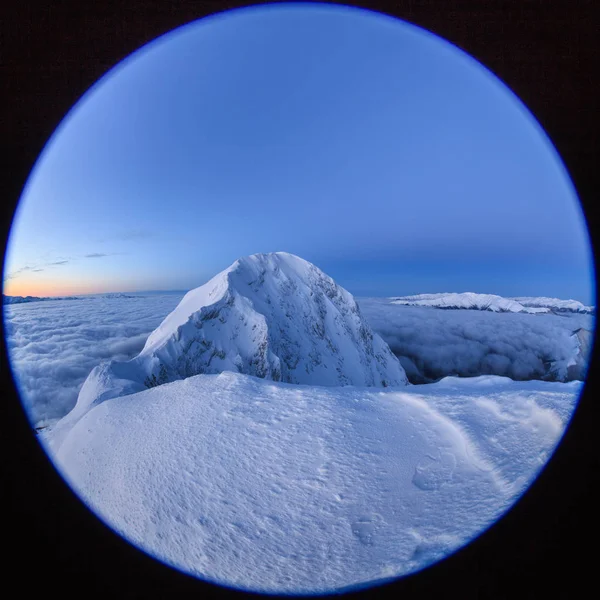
x: 280, y: 488
x: 274, y: 316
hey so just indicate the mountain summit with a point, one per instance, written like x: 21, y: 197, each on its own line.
x: 273, y: 316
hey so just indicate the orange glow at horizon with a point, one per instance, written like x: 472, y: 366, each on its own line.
x: 55, y: 287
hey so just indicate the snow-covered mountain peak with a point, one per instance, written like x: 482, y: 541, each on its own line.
x: 274, y: 316
x: 259, y: 278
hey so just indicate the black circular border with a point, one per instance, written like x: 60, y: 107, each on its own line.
x: 545, y: 51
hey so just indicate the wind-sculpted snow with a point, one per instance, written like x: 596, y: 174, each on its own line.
x: 273, y: 316
x: 281, y: 488
x: 432, y: 343
x: 53, y: 346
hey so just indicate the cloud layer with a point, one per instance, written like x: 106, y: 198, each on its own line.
x: 54, y: 345
x: 433, y: 343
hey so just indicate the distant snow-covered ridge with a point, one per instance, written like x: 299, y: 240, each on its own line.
x: 555, y: 304
x: 273, y: 316
x: 493, y: 303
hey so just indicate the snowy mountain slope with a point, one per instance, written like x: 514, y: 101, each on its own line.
x: 432, y: 343
x: 555, y: 304
x: 469, y: 300
x: 278, y: 488
x: 274, y: 316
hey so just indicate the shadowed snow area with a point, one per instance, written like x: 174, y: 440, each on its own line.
x: 278, y: 488
x: 274, y: 316
x: 432, y: 343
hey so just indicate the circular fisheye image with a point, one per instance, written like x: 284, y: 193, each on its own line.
x: 299, y: 299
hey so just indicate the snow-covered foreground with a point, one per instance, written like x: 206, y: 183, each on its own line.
x: 53, y: 345
x: 275, y: 487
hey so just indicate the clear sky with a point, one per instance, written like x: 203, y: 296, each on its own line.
x: 386, y: 156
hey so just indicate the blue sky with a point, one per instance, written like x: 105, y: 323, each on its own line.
x: 370, y: 147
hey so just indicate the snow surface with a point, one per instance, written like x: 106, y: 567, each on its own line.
x: 280, y: 488
x: 432, y: 343
x: 468, y: 300
x: 275, y: 316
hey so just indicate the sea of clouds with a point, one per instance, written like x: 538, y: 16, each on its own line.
x: 54, y: 345
x: 432, y: 343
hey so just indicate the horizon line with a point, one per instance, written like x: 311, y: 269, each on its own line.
x: 184, y: 291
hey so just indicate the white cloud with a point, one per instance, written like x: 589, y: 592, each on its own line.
x: 433, y: 343
x: 54, y: 345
